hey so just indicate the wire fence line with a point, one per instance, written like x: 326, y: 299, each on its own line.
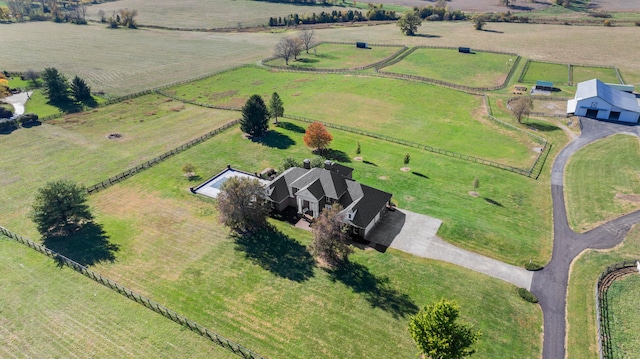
x: 214, y: 337
x: 130, y: 172
x: 607, y: 277
x: 570, y: 70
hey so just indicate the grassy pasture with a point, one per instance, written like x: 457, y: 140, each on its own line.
x: 584, y: 73
x: 76, y: 147
x: 581, y: 313
x: 543, y: 71
x: 624, y: 316
x: 52, y: 312
x: 602, y: 182
x: 480, y: 69
x: 207, y: 14
x: 446, y: 118
x: 272, y: 299
x: 334, y: 56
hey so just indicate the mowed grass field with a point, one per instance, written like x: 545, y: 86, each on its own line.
x: 602, y: 182
x: 581, y: 311
x: 338, y: 56
x: 544, y: 71
x: 624, y: 316
x: 584, y: 73
x: 76, y: 147
x: 270, y: 296
x: 478, y: 69
x: 208, y: 14
x: 53, y: 312
x: 417, y: 112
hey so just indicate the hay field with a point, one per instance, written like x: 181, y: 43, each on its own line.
x: 204, y: 14
x: 126, y: 61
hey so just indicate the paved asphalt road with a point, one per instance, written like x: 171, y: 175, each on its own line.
x: 550, y: 284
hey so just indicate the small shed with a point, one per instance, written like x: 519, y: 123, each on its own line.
x: 362, y: 45
x: 544, y: 86
x: 464, y: 50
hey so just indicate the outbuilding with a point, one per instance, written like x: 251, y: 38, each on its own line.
x: 595, y: 99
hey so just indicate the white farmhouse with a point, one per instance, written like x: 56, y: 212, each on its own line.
x: 595, y: 99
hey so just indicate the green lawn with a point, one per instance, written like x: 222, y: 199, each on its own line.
x: 581, y: 315
x: 624, y: 316
x: 543, y: 71
x: 272, y: 298
x: 584, y: 73
x: 602, y: 182
x: 76, y: 147
x: 38, y: 104
x: 441, y: 117
x: 53, y: 312
x: 16, y: 82
x: 334, y: 56
x: 480, y: 69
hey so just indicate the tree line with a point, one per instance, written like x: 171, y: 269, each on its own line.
x: 374, y: 13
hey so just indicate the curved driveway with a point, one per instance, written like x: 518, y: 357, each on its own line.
x: 550, y: 284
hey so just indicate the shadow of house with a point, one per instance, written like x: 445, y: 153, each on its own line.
x: 387, y: 230
x: 88, y: 245
x: 277, y: 253
x: 376, y: 290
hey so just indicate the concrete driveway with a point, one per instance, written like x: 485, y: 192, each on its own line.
x: 416, y: 234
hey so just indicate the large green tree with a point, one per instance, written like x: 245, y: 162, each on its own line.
x: 255, y: 117
x: 437, y: 333
x: 409, y: 23
x: 60, y: 207
x: 80, y: 90
x: 55, y: 85
x: 276, y: 106
x: 242, y: 203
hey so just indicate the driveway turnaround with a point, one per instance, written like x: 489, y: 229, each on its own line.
x: 416, y: 234
x: 550, y: 284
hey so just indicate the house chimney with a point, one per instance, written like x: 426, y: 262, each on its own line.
x: 306, y: 164
x: 327, y: 165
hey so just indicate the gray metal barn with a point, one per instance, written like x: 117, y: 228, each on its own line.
x: 595, y: 99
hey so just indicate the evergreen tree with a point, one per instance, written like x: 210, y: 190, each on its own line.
x: 255, y: 117
x: 80, y: 90
x: 276, y: 107
x: 60, y: 207
x: 55, y: 86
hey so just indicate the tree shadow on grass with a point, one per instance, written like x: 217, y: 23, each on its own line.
x: 493, y: 202
x: 88, y: 245
x: 333, y: 155
x: 420, y: 174
x: 376, y: 290
x: 291, y: 127
x: 369, y: 163
x: 276, y: 252
x: 544, y: 127
x: 277, y: 140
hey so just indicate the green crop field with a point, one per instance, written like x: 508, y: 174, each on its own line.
x: 76, y: 147
x: 542, y: 71
x: 602, y: 182
x: 581, y: 311
x: 624, y: 317
x: 583, y: 73
x: 446, y: 119
x: 272, y: 298
x: 52, y: 312
x: 479, y: 69
x: 334, y: 56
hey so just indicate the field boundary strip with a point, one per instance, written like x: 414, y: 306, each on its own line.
x: 150, y: 304
x: 570, y: 69
x: 607, y: 277
x: 132, y: 171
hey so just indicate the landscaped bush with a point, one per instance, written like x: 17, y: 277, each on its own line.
x: 28, y: 119
x: 5, y: 112
x: 528, y: 296
x: 8, y: 126
x: 532, y: 266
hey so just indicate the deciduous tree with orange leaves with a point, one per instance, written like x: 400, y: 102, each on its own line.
x: 317, y: 136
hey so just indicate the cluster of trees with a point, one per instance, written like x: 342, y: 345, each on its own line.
x: 123, y: 17
x: 56, y: 10
x: 439, y: 12
x: 375, y: 12
x: 62, y: 94
x: 256, y: 114
x: 289, y: 47
x: 8, y: 125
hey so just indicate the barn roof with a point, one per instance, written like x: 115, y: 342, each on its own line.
x: 597, y: 88
x: 544, y: 83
